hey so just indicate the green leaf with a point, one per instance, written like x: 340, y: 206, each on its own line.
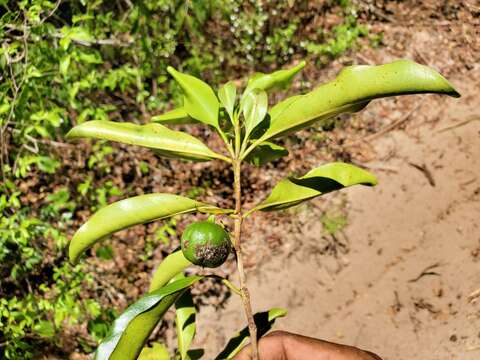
x: 277, y: 79
x: 64, y: 65
x: 80, y: 34
x: 129, y: 212
x: 157, y: 351
x: 227, y: 94
x: 44, y: 329
x: 185, y: 323
x: 254, y: 106
x: 167, y: 142
x: 266, y: 152
x: 351, y: 91
x: 174, y: 117
x: 171, y: 266
x: 264, y: 322
x: 131, y: 330
x: 326, y: 178
x: 200, y: 101
x: 105, y: 253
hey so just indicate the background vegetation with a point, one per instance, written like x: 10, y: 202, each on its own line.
x: 66, y: 62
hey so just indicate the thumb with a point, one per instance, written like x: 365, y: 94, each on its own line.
x: 245, y: 353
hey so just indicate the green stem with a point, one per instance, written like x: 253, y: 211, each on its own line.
x: 244, y: 145
x: 244, y: 153
x: 224, y: 158
x: 247, y: 213
x: 238, y: 249
x: 227, y: 143
x: 232, y: 287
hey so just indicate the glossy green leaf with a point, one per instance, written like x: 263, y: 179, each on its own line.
x: 227, y: 94
x: 155, y: 352
x: 264, y: 322
x: 266, y: 152
x: 129, y: 212
x: 170, y: 267
x: 185, y: 323
x: 254, y: 107
x: 131, y: 330
x: 351, y: 91
x: 174, y: 117
x: 154, y: 136
x: 321, y: 180
x: 277, y: 79
x: 200, y: 101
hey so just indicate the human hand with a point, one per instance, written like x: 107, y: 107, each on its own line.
x: 281, y: 345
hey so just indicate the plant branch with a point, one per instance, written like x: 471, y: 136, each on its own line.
x: 243, y: 147
x: 247, y: 213
x: 248, y: 150
x: 238, y: 248
x: 227, y: 143
x: 91, y: 42
x: 231, y: 286
x: 224, y: 158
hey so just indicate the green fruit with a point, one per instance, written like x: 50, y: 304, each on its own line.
x: 206, y: 244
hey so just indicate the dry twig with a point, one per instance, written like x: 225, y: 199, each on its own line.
x: 424, y: 170
x: 473, y: 296
x: 426, y: 271
x: 459, y: 124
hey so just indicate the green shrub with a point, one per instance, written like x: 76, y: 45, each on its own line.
x: 67, y: 62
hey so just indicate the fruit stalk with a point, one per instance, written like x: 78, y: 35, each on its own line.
x: 238, y: 250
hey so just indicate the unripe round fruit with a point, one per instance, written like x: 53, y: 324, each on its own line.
x: 206, y: 244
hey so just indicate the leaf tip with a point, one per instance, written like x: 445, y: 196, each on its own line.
x: 177, y: 75
x: 373, y: 180
x: 454, y: 93
x: 172, y: 71
x: 72, y: 255
x: 71, y: 134
x: 80, y: 130
x: 369, y: 179
x: 76, y: 246
x: 276, y: 312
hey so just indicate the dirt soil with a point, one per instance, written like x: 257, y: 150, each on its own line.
x: 402, y: 278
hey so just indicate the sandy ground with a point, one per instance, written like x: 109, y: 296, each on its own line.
x: 409, y: 284
x: 402, y: 279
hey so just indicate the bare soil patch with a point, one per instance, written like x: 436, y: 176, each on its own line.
x: 402, y: 278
